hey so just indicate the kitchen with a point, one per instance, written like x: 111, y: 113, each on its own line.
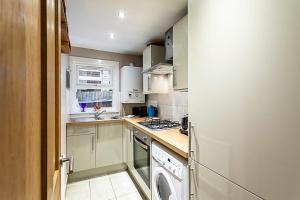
x: 125, y: 108
x: 145, y: 142
x: 150, y: 100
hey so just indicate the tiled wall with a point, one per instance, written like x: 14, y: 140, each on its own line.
x: 173, y: 105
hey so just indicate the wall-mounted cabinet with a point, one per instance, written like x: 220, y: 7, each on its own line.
x: 180, y: 54
x: 152, y: 55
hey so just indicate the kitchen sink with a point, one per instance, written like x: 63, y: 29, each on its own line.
x: 90, y: 119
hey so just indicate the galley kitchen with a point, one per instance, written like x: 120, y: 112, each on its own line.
x: 150, y: 100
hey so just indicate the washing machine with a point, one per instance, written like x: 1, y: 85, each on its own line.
x: 169, y: 174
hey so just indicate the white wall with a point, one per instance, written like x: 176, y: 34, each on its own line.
x: 173, y: 105
x: 64, y: 110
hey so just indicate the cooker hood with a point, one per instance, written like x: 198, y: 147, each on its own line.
x: 160, y: 69
x: 167, y: 66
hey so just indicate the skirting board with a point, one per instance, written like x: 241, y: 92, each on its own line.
x: 91, y: 173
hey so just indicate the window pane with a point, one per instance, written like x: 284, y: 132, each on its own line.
x: 92, y: 96
x: 89, y: 76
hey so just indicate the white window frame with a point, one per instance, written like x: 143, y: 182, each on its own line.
x: 76, y: 62
x: 93, y: 68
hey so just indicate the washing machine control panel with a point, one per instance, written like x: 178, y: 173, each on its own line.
x: 168, y: 161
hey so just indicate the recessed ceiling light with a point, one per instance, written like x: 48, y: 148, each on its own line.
x: 112, y: 36
x: 121, y: 14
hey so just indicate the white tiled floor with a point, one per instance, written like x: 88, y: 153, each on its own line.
x: 109, y: 187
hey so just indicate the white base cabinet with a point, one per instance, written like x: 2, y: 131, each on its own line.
x: 95, y: 146
x: 130, y: 148
x: 82, y: 148
x: 109, y: 145
x: 128, y: 141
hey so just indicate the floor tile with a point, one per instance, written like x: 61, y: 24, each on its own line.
x: 101, y: 189
x: 131, y: 196
x: 78, y: 191
x: 122, y: 184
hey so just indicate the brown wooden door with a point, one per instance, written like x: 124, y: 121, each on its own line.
x: 29, y: 99
x: 20, y: 100
x: 51, y: 99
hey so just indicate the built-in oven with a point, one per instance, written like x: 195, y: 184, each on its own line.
x: 141, y: 155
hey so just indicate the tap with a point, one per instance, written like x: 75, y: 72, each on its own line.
x: 99, y: 113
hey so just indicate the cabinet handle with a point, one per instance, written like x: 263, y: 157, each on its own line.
x: 92, y: 143
x: 190, y: 139
x: 174, y: 77
x: 148, y: 77
x: 191, y: 169
x: 130, y: 136
x: 191, y: 194
x: 70, y: 160
x: 97, y: 133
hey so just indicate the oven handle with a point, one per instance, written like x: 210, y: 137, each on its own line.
x: 140, y: 143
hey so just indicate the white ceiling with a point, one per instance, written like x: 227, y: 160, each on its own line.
x: 92, y: 21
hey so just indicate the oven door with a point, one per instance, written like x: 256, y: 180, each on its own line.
x: 142, y: 159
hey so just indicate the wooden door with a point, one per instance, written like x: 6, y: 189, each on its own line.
x: 50, y: 30
x: 20, y: 102
x: 29, y: 84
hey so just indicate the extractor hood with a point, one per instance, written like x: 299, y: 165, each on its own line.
x: 160, y: 69
x: 166, y: 66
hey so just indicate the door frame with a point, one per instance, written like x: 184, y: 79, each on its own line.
x: 50, y: 90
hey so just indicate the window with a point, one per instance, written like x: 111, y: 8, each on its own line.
x: 94, y: 82
x: 90, y: 97
x: 88, y: 75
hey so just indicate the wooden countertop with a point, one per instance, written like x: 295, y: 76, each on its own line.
x: 90, y: 121
x: 170, y: 138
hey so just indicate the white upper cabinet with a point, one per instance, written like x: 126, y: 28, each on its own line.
x: 180, y: 54
x: 152, y: 55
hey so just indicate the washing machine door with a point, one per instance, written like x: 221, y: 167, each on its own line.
x: 163, y: 187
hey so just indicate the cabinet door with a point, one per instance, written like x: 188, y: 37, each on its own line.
x: 130, y: 148
x: 146, y: 65
x: 207, y: 185
x: 109, y: 145
x: 152, y: 55
x: 244, y: 95
x: 125, y: 139
x: 180, y: 56
x: 82, y: 148
x: 80, y: 130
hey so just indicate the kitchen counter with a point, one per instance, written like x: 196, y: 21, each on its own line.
x: 170, y: 138
x: 91, y: 121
